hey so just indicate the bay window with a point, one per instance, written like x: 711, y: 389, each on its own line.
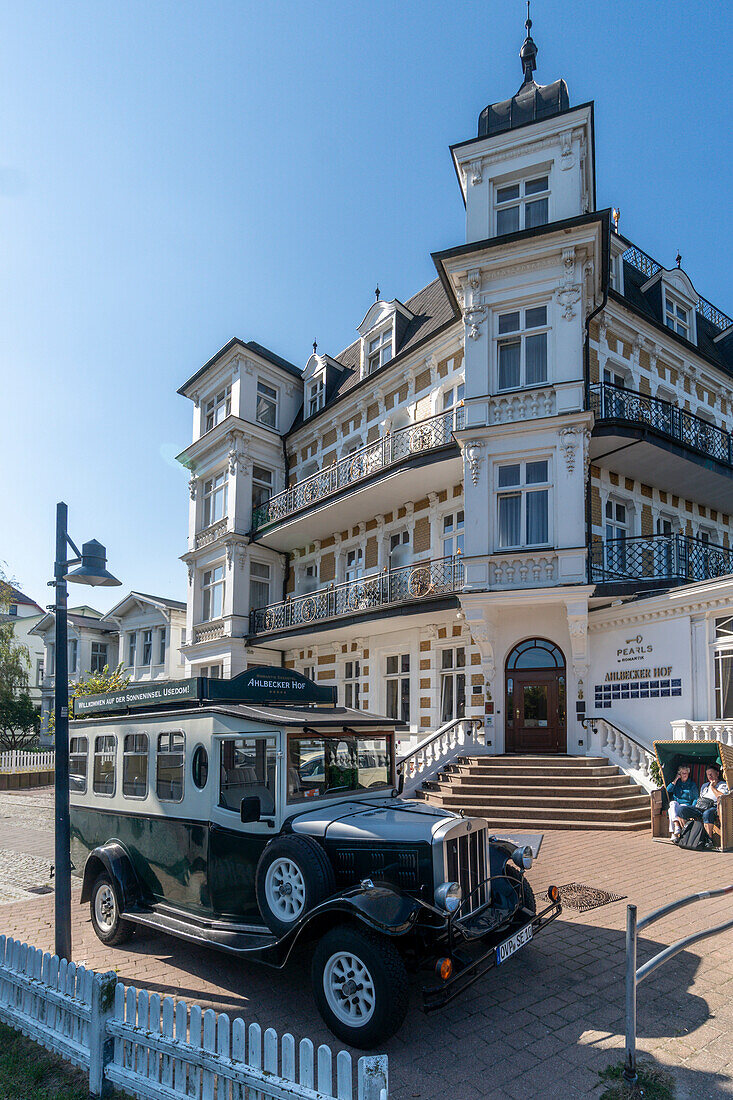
x: 522, y: 348
x: 215, y: 498
x: 523, y: 504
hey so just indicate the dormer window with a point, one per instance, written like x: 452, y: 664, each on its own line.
x: 380, y: 351
x: 522, y: 205
x: 676, y: 316
x: 218, y: 407
x: 316, y: 395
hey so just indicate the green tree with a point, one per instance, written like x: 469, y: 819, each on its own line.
x: 19, y: 721
x: 96, y: 683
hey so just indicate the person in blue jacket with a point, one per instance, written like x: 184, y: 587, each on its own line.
x: 682, y: 792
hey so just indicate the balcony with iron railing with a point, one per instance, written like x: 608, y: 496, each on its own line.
x: 415, y: 584
x: 363, y: 471
x: 654, y: 441
x: 657, y: 561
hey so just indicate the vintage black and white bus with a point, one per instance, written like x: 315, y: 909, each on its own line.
x: 254, y: 813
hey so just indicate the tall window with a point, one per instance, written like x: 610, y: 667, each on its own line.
x: 216, y: 491
x: 316, y: 395
x: 169, y: 766
x: 78, y: 764
x: 103, y: 777
x: 676, y: 316
x: 452, y: 534
x: 266, y: 411
x: 261, y: 485
x: 522, y: 205
x: 613, y: 378
x: 453, y: 397
x: 380, y: 350
x: 452, y: 684
x: 398, y: 687
x: 617, y: 531
x: 39, y: 671
x: 218, y: 407
x: 352, y: 683
x: 523, y: 502
x: 99, y: 656
x: 135, y: 765
x: 73, y: 656
x: 213, y: 593
x: 131, y: 648
x: 354, y: 564
x: 147, y: 648
x: 400, y: 551
x: 161, y: 646
x: 259, y: 584
x: 723, y: 657
x: 51, y: 651
x: 522, y: 348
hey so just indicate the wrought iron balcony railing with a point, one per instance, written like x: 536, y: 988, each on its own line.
x: 610, y: 402
x: 425, y: 435
x: 423, y: 580
x: 670, y: 558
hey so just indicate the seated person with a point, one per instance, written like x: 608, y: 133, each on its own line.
x: 713, y: 789
x: 682, y: 791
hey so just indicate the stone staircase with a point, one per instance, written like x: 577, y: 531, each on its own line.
x: 531, y: 793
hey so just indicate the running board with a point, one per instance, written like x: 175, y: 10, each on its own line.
x: 233, y: 940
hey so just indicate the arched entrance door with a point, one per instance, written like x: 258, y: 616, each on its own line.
x: 535, y: 698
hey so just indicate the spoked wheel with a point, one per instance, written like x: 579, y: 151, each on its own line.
x: 360, y: 985
x: 109, y: 925
x: 293, y: 876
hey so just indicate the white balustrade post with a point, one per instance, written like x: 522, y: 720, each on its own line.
x: 372, y: 1077
x: 100, y: 1043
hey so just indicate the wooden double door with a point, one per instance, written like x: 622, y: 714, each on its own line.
x: 536, y: 710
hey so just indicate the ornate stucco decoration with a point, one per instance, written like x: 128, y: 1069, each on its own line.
x: 568, y: 293
x: 567, y: 160
x: 193, y: 487
x: 473, y: 317
x: 568, y: 445
x: 474, y: 458
x: 475, y: 172
x: 238, y: 453
x: 191, y: 573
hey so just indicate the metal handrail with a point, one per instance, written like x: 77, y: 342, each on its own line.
x: 422, y: 580
x: 647, y: 266
x: 475, y: 723
x: 423, y: 435
x: 611, y: 402
x: 634, y: 976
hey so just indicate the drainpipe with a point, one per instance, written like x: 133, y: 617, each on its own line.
x: 586, y: 372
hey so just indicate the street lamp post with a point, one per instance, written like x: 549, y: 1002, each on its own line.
x: 91, y: 561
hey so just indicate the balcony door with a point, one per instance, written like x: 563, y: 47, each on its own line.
x: 536, y: 698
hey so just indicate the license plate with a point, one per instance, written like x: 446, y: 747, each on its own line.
x: 513, y: 944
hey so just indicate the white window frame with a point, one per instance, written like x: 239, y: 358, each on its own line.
x: 260, y: 580
x: 355, y: 570
x: 218, y: 407
x: 521, y: 335
x: 456, y: 535
x: 398, y: 678
x: 271, y: 399
x: 131, y: 648
x: 94, y: 665
x: 452, y: 397
x: 212, y: 587
x: 162, y: 639
x: 147, y: 648
x: 452, y: 672
x: 524, y: 489
x: 376, y: 347
x: 215, y: 498
x: 73, y: 657
x: 672, y: 305
x: 260, y: 483
x: 316, y: 394
x: 399, y: 539
x: 522, y: 199
x: 352, y: 682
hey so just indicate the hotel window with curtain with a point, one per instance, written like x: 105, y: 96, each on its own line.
x: 723, y: 658
x: 522, y: 205
x: 215, y: 498
x: 212, y: 594
x: 398, y: 687
x: 523, y: 504
x: 522, y: 348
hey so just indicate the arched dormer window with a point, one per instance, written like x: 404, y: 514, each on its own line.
x: 314, y: 382
x: 381, y: 333
x: 676, y: 300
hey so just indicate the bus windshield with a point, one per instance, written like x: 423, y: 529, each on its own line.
x: 325, y: 764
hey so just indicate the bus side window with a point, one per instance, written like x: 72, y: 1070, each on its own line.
x: 135, y: 765
x: 247, y: 769
x: 170, y: 765
x: 105, y: 764
x: 78, y: 748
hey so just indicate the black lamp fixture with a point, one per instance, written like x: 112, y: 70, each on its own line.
x: 92, y: 569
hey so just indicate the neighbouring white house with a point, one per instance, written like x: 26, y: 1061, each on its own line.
x: 142, y: 632
x: 24, y: 613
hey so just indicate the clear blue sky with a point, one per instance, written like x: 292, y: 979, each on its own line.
x: 173, y: 174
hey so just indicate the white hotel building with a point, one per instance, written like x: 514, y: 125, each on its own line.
x: 509, y: 498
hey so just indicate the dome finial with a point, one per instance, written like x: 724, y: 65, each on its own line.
x: 528, y: 52
x: 376, y: 293
x: 315, y: 346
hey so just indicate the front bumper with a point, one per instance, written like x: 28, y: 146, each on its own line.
x: 474, y: 959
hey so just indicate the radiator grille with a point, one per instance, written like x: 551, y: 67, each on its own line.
x: 466, y: 864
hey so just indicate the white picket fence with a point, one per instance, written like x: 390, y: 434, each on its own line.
x: 16, y: 761
x: 158, y: 1049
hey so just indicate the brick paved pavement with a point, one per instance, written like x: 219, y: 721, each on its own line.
x: 542, y: 1025
x: 26, y: 842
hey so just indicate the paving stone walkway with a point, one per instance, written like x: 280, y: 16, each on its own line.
x: 26, y: 843
x: 542, y: 1025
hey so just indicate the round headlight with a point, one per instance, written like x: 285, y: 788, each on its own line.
x: 523, y: 857
x: 448, y: 896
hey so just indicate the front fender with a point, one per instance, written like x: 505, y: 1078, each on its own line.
x: 113, y: 859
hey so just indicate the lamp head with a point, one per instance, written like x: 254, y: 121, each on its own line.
x: 93, y: 567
